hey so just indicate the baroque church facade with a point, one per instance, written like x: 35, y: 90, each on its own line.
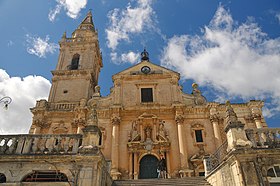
x: 82, y: 137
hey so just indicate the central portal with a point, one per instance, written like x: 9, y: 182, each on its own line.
x: 148, y: 167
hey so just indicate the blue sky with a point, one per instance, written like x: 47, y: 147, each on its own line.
x: 230, y: 48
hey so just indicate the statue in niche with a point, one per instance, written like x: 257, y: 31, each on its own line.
x: 97, y: 91
x: 198, y: 98
x: 134, y: 133
x: 162, y: 133
x: 148, y: 132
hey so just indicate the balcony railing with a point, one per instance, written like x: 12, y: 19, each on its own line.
x: 264, y: 137
x: 62, y: 106
x: 40, y: 144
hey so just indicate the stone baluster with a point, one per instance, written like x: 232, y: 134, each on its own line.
x: 34, y: 143
x: 3, y: 145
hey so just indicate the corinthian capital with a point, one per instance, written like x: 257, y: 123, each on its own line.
x: 179, y: 119
x: 214, y: 118
x: 256, y: 116
x: 115, y: 120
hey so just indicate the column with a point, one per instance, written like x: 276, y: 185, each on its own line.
x: 182, y: 149
x: 215, y: 122
x: 130, y: 164
x: 257, y: 119
x: 136, y: 166
x: 167, y: 156
x: 115, y: 148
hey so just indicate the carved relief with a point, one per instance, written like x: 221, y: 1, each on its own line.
x: 179, y: 119
x: 162, y: 133
x: 115, y: 120
x: 134, y: 134
x: 60, y: 128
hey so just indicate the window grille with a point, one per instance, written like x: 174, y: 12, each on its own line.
x: 146, y: 95
x: 46, y: 176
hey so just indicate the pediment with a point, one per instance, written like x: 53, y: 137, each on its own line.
x: 152, y: 69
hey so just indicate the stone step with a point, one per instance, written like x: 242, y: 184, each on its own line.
x: 191, y: 181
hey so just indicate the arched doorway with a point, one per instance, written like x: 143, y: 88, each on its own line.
x: 148, y: 167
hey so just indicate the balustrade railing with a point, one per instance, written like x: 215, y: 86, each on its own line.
x: 264, y: 137
x: 40, y: 144
x: 214, y: 160
x: 62, y: 106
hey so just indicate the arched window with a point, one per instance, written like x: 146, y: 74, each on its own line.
x: 2, y: 178
x: 75, y: 62
x: 45, y: 176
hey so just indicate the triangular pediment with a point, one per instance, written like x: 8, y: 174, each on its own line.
x: 146, y: 68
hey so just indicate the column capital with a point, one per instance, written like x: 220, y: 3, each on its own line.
x: 179, y: 119
x: 256, y: 116
x: 214, y: 118
x: 116, y: 120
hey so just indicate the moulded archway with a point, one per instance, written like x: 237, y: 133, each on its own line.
x: 148, y: 167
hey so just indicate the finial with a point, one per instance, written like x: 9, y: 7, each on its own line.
x: 64, y: 35
x: 145, y: 55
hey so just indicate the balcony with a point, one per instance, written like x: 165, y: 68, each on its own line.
x: 40, y: 144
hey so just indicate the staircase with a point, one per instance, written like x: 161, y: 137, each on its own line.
x: 189, y: 181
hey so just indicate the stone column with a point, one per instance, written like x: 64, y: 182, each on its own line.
x: 167, y: 156
x: 136, y: 166
x: 215, y: 122
x: 257, y: 119
x: 184, y: 169
x: 115, y: 148
x: 130, y: 164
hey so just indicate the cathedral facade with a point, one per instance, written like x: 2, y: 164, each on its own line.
x: 146, y: 115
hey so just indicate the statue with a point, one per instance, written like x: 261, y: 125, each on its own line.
x: 96, y: 91
x: 162, y: 133
x: 198, y: 98
x: 134, y: 134
x: 148, y: 132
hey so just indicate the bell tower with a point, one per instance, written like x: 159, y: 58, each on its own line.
x: 78, y: 66
x: 73, y: 83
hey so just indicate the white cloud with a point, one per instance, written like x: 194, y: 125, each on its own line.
x: 39, y: 46
x: 132, y: 20
x: 130, y: 57
x: 277, y: 15
x: 72, y: 7
x: 24, y: 93
x: 10, y: 43
x: 235, y: 60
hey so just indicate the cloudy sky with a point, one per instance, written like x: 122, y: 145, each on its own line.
x: 230, y: 48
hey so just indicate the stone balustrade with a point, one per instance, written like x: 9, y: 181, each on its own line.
x: 264, y: 137
x: 62, y: 106
x: 40, y: 144
x: 214, y: 160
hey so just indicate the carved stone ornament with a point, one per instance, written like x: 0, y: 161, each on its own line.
x: 134, y: 134
x: 116, y: 120
x: 41, y: 123
x: 198, y: 98
x: 179, y: 119
x: 162, y: 134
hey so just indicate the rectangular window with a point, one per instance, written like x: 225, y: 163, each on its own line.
x: 146, y: 95
x: 198, y: 136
